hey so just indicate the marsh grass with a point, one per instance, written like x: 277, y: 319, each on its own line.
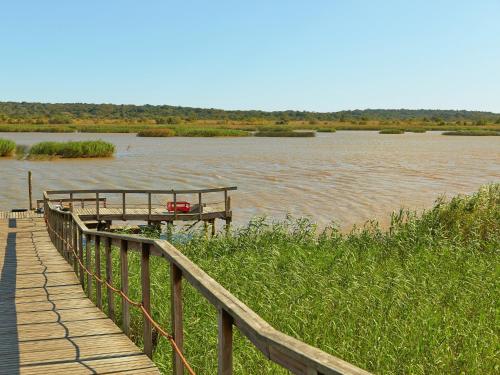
x: 284, y: 133
x: 391, y: 131
x: 421, y: 297
x: 7, y: 147
x: 156, y: 133
x: 473, y: 132
x: 182, y: 131
x: 83, y: 149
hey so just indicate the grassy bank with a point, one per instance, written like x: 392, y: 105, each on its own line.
x: 7, y: 147
x: 201, y: 128
x: 421, y: 297
x: 84, y: 149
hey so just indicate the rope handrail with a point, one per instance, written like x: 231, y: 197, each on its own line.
x: 139, y: 305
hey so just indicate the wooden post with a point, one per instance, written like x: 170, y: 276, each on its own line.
x: 30, y: 190
x: 71, y: 202
x: 123, y: 206
x: 88, y: 266
x: 213, y: 226
x: 109, y: 279
x: 74, y: 231
x: 175, y: 206
x: 124, y: 285
x: 146, y: 300
x: 149, y: 206
x: 97, y: 205
x: 225, y: 343
x: 201, y: 206
x: 176, y: 311
x: 98, y: 285
x: 80, y: 255
x: 226, y: 203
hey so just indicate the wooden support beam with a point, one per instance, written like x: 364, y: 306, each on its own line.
x: 80, y: 256
x: 109, y: 279
x: 88, y: 261
x: 98, y: 285
x: 225, y: 343
x: 176, y: 311
x: 124, y: 285
x: 146, y: 299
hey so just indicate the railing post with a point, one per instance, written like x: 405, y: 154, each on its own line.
x: 80, y: 256
x: 71, y: 202
x: 97, y: 205
x: 123, y: 206
x: 175, y: 205
x: 88, y: 265
x: 146, y: 299
x: 98, y: 285
x: 200, y: 206
x: 149, y: 206
x: 226, y: 208
x: 176, y: 311
x: 109, y: 279
x: 124, y: 285
x: 225, y: 343
x: 74, y: 232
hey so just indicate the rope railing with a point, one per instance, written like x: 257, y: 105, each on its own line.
x: 139, y: 305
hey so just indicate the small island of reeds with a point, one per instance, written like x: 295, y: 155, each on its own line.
x: 391, y: 131
x: 156, y: 133
x: 7, y: 147
x: 326, y: 130
x: 284, y: 133
x: 473, y: 132
x: 81, y: 149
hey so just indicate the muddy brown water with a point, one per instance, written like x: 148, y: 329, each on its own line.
x: 348, y: 177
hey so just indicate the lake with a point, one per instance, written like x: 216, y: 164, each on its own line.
x: 348, y: 177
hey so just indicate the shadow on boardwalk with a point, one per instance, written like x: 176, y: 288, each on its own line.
x: 8, y: 313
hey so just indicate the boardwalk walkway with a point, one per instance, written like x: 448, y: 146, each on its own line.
x: 47, y: 324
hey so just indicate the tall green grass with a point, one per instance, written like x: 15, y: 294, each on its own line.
x: 7, y: 147
x: 83, y: 149
x: 421, y: 297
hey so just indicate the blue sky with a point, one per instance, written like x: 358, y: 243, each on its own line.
x: 271, y: 55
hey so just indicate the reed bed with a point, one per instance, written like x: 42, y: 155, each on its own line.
x: 421, y: 297
x: 326, y: 130
x: 156, y: 133
x: 7, y: 147
x: 473, y: 133
x: 284, y: 133
x: 392, y: 131
x: 83, y: 149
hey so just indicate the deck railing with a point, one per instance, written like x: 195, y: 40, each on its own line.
x: 68, y: 232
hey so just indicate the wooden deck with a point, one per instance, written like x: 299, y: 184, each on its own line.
x: 47, y: 324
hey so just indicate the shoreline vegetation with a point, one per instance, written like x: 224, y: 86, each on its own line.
x: 47, y: 150
x: 420, y: 297
x: 199, y: 122
x: 7, y: 147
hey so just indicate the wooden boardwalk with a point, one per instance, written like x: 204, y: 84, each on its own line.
x: 47, y: 324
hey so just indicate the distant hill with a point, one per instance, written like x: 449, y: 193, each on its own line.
x: 66, y: 112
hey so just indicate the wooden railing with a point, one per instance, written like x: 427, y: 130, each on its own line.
x: 71, y: 196
x: 68, y: 232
